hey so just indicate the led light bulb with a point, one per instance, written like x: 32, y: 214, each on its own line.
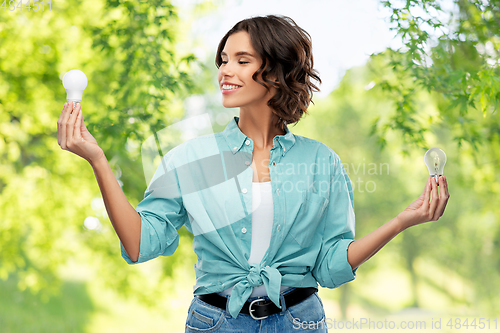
x: 75, y: 83
x: 435, y: 159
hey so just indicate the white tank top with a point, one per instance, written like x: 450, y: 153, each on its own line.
x: 262, y: 225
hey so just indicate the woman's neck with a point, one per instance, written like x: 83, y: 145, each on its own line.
x: 259, y: 125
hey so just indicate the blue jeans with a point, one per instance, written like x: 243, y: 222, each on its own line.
x: 306, y: 316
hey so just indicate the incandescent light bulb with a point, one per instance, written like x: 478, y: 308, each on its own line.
x: 435, y: 159
x: 75, y: 83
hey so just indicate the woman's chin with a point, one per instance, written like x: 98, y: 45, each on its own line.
x: 229, y: 105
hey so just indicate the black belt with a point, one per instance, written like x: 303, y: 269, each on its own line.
x: 266, y: 307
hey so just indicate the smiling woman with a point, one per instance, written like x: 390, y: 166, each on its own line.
x: 277, y: 54
x: 265, y: 234
x: 237, y: 67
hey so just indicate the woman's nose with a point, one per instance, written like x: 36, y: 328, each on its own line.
x: 226, y: 69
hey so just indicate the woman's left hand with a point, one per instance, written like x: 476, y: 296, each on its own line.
x: 425, y: 209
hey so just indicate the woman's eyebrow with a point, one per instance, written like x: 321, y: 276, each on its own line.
x: 239, y: 54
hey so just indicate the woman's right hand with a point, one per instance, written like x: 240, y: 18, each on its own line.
x: 429, y: 206
x: 72, y: 134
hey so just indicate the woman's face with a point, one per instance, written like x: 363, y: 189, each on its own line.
x: 239, y: 63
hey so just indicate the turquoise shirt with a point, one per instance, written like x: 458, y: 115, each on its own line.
x: 205, y: 184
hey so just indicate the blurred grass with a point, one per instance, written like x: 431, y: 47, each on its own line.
x: 85, y: 305
x: 21, y: 311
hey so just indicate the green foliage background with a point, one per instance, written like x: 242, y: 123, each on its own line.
x: 440, y: 89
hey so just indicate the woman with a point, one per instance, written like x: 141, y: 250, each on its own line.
x: 266, y: 232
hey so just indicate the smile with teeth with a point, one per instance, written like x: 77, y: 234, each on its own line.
x: 229, y: 87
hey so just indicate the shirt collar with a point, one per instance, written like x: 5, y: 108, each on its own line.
x: 236, y: 139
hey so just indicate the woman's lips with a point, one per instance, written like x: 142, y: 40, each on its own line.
x: 228, y: 91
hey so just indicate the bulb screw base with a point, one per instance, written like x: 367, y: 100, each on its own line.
x: 436, y: 177
x: 74, y: 103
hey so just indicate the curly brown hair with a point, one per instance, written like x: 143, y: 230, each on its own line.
x: 286, y: 53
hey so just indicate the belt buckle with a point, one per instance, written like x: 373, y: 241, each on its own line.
x: 250, y: 310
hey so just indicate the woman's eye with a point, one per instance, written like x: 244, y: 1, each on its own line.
x: 240, y: 62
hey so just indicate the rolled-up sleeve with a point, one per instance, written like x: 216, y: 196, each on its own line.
x: 332, y: 268
x: 162, y: 214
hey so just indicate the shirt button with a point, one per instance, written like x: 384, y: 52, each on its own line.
x: 235, y: 148
x: 284, y: 149
x: 244, y: 230
x: 244, y: 190
x: 247, y: 142
x: 274, y: 163
x: 279, y: 227
x: 247, y: 162
x: 278, y: 191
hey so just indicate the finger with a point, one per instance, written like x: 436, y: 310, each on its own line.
x: 59, y: 120
x: 442, y: 189
x: 70, y: 124
x: 444, y: 197
x: 435, y: 198
x: 422, y: 195
x: 445, y: 183
x: 83, y: 126
x: 427, y: 192
x: 77, y: 135
x: 62, y: 113
x: 442, y: 200
x: 62, y: 124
